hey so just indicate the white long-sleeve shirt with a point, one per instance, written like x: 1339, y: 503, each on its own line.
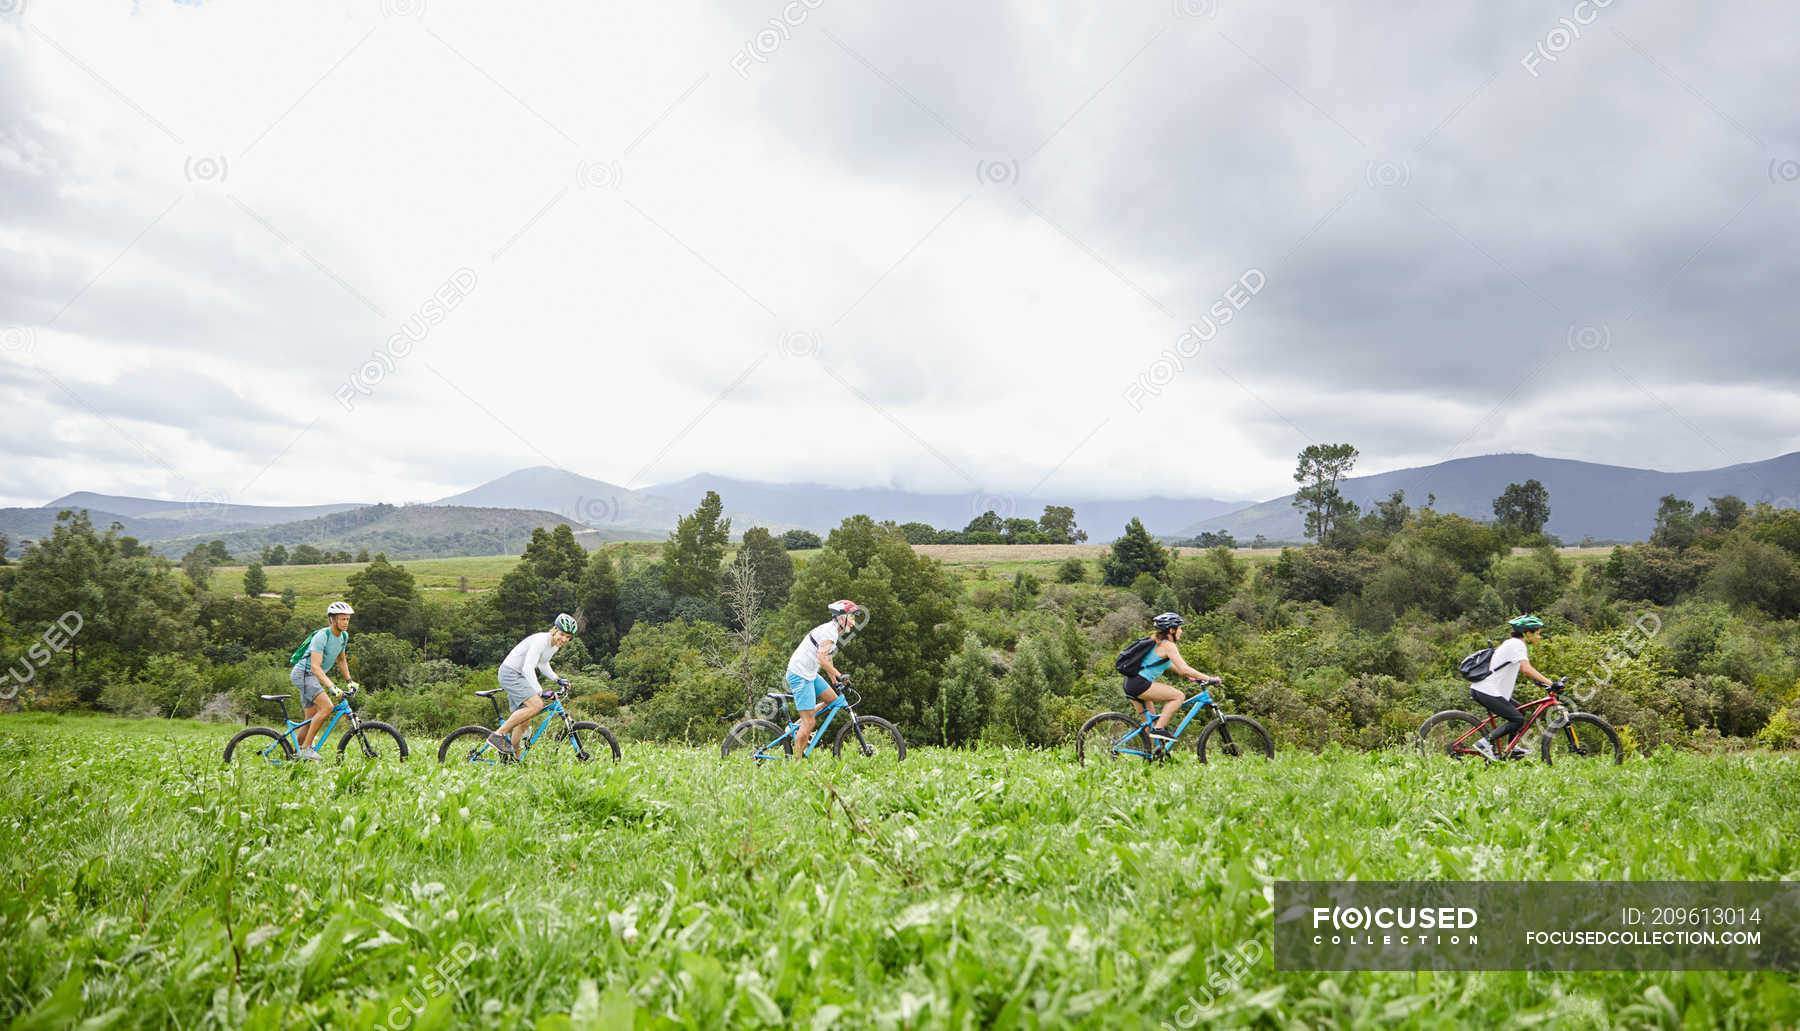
x: 533, y: 653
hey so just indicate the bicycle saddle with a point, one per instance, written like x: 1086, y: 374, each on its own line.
x: 274, y: 697
x: 490, y: 692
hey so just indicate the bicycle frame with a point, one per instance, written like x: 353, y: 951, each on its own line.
x: 338, y: 712
x: 1192, y: 706
x: 1532, y: 711
x: 773, y: 749
x: 552, y: 709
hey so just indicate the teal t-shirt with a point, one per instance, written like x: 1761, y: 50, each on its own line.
x: 327, y: 646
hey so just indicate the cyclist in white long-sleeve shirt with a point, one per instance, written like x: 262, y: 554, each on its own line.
x: 518, y: 675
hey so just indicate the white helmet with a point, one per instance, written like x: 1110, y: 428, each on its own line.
x: 339, y: 608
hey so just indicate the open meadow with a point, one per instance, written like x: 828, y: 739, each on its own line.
x: 148, y: 885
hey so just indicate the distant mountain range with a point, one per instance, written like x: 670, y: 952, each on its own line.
x: 1586, y: 500
x: 1606, y: 502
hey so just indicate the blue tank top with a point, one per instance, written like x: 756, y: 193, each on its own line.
x: 1154, y: 666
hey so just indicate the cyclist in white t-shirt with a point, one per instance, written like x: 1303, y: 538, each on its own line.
x: 1495, y: 693
x: 810, y: 689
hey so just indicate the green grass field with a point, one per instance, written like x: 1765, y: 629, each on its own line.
x: 149, y: 886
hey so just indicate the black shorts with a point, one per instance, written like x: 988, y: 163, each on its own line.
x: 1135, y: 686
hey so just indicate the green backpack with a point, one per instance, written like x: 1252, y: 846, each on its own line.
x: 299, y: 655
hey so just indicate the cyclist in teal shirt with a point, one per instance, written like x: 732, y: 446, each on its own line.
x: 308, y: 676
x: 1145, y: 692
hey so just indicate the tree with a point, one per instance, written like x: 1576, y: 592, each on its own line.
x: 1022, y: 531
x: 128, y: 548
x: 198, y: 565
x: 695, y: 550
x: 363, y: 555
x: 1210, y: 539
x: 555, y: 554
x: 1728, y: 511
x: 1522, y: 509
x: 1321, y: 467
x: 221, y: 556
x: 290, y: 597
x: 385, y: 598
x: 1390, y: 515
x: 306, y: 555
x: 801, y: 540
x: 967, y: 697
x: 774, y: 567
x: 743, y: 600
x: 916, y: 533
x: 275, y: 555
x: 5, y: 546
x: 597, y: 595
x: 913, y: 627
x: 1132, y: 555
x: 1057, y: 524
x: 986, y: 522
x: 255, y: 581
x: 1023, y: 708
x: 1203, y: 584
x: 1674, y: 523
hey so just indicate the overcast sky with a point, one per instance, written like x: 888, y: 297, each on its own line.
x: 933, y: 245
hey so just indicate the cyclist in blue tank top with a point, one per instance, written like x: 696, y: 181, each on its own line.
x: 1145, y: 692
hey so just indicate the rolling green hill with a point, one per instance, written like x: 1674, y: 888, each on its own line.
x: 411, y: 531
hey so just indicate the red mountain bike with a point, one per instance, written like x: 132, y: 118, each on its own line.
x: 1566, y: 735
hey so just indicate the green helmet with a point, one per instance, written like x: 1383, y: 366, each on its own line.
x: 1526, y: 623
x: 565, y: 623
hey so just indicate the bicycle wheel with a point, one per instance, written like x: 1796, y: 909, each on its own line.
x: 1586, y: 736
x: 870, y: 737
x: 751, y: 737
x: 1439, y: 737
x: 263, y: 744
x: 1239, y: 737
x: 374, y: 741
x: 1111, y: 736
x: 468, y: 745
x: 585, y: 741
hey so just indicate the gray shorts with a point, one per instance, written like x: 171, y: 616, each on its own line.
x: 519, y: 687
x: 308, y: 685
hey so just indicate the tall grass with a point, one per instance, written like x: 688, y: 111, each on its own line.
x: 146, y: 885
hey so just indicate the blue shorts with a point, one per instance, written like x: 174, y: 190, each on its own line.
x: 806, y: 692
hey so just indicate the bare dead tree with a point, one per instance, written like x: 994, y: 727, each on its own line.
x: 743, y: 601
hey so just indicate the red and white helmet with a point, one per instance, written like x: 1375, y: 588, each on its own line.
x: 845, y: 607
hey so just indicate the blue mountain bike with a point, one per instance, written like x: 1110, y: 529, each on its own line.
x: 571, y: 740
x: 869, y: 736
x: 1111, y: 736
x: 374, y: 739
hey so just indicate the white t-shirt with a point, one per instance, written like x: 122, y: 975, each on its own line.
x: 1504, y: 669
x: 533, y: 653
x: 805, y: 661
